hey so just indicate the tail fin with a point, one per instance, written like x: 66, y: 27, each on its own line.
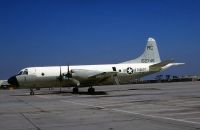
x: 150, y: 55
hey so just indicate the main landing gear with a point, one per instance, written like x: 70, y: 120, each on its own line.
x: 31, y: 92
x: 91, y: 90
x: 75, y: 90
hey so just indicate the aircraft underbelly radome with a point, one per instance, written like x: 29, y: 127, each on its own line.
x: 89, y: 75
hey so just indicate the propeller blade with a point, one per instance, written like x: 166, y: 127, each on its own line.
x: 60, y: 70
x: 69, y: 75
x: 60, y: 77
x: 68, y: 72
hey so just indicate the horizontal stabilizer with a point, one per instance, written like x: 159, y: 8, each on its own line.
x: 164, y: 65
x: 171, y: 64
x: 158, y: 66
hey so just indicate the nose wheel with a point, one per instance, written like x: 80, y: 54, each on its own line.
x: 31, y: 92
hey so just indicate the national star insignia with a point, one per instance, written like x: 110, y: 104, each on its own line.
x: 129, y: 70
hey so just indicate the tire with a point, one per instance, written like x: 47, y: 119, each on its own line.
x: 91, y: 90
x: 75, y: 90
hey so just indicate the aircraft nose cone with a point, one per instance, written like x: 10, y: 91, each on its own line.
x: 13, y: 81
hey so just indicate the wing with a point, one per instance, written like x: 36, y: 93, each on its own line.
x: 103, y: 75
x: 91, y: 76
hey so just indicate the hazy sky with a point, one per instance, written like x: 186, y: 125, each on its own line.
x: 61, y: 32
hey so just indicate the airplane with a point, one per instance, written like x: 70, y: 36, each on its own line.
x: 90, y: 75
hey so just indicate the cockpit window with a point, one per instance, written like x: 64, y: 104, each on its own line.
x: 20, y: 73
x: 25, y: 72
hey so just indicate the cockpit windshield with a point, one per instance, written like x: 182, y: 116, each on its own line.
x: 23, y: 72
x: 20, y: 73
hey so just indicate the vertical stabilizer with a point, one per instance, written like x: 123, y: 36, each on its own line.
x: 150, y: 54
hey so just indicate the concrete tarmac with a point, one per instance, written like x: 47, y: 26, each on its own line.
x: 166, y: 106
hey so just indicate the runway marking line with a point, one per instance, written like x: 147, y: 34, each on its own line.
x: 157, y: 117
x: 43, y: 96
x: 160, y: 110
x: 134, y: 113
x: 197, y: 118
x: 187, y: 113
x: 83, y: 104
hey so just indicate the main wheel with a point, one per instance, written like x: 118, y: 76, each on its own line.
x: 75, y: 90
x: 32, y: 93
x: 91, y: 90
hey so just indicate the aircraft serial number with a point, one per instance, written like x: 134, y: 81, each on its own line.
x: 147, y: 60
x: 141, y: 69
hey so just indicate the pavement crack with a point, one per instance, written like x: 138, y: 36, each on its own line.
x: 27, y: 103
x: 34, y: 125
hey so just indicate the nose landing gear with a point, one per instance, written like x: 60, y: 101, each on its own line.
x: 31, y: 92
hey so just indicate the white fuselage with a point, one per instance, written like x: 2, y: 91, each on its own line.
x: 37, y: 77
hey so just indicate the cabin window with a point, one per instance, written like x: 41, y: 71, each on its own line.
x: 114, y: 68
x: 42, y: 74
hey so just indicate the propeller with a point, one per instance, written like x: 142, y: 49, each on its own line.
x: 68, y: 75
x: 60, y: 77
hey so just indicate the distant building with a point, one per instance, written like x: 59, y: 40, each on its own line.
x: 4, y: 84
